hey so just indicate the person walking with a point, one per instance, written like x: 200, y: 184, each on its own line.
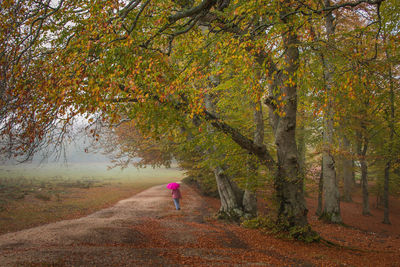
x: 176, y: 196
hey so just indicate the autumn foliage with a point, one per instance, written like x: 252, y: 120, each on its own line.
x: 185, y: 80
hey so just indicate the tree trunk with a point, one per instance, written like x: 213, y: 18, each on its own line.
x: 301, y: 146
x: 331, y: 211
x: 347, y: 165
x: 318, y: 212
x: 391, y: 136
x: 289, y: 181
x: 249, y: 203
x: 386, y: 194
x: 353, y: 173
x: 230, y: 195
x: 292, y: 212
x: 364, y: 186
x: 362, y: 147
x: 250, y: 197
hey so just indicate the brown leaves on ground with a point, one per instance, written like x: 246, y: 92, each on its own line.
x: 147, y: 230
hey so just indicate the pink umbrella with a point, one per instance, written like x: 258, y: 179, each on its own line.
x: 173, y: 186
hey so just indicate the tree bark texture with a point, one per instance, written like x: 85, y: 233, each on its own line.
x: 318, y: 212
x: 331, y: 211
x: 231, y: 196
x: 289, y: 181
x: 301, y: 146
x: 347, y: 165
x: 364, y: 186
x: 362, y: 148
x: 386, y: 194
x: 353, y: 173
x: 391, y: 119
x: 250, y: 203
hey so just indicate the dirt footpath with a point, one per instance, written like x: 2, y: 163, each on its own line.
x: 146, y: 230
x: 142, y: 230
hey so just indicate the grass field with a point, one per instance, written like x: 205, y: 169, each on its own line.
x: 32, y: 195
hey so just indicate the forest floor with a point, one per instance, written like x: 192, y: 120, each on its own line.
x: 146, y: 230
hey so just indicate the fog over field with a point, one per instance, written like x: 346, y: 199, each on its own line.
x: 83, y: 170
x: 74, y: 185
x: 78, y: 161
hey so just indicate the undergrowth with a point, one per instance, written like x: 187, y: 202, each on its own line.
x: 269, y: 225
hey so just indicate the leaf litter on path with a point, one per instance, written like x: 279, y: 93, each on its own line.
x: 146, y: 230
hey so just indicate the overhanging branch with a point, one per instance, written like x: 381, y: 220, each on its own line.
x: 260, y: 152
x: 349, y: 4
x: 204, y: 5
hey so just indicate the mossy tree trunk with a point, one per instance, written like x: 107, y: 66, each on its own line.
x: 231, y: 196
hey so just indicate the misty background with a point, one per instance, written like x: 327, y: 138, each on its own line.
x: 78, y: 159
